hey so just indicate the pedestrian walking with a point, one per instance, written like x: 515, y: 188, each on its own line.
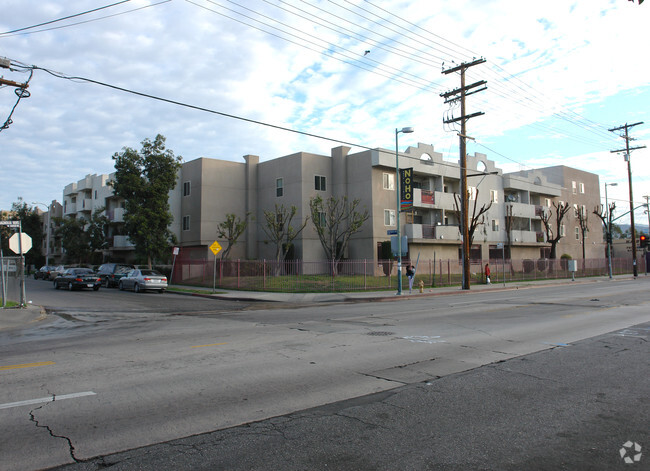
x: 410, y: 274
x: 487, y: 274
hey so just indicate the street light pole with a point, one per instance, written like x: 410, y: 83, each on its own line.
x: 609, y: 231
x: 406, y: 130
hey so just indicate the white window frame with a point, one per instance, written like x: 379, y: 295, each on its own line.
x: 390, y: 217
x: 547, y: 202
x: 494, y: 196
x: 562, y: 230
x: 388, y: 181
x: 495, y: 225
x: 471, y: 193
x: 574, y: 187
x: 581, y: 187
x: 577, y: 231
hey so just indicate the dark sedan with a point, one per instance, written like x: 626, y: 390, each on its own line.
x: 78, y: 278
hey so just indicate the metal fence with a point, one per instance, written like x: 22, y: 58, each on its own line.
x: 10, y: 277
x: 358, y: 275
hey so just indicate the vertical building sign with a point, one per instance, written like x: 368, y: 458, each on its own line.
x: 406, y: 188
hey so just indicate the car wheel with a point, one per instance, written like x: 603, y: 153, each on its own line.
x: 136, y: 288
x: 56, y: 285
x: 105, y: 283
x: 121, y: 286
x: 95, y: 288
x: 70, y: 286
x: 161, y: 291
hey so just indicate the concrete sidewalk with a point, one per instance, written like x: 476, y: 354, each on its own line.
x: 386, y: 295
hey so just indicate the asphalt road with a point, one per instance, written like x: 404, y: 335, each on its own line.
x: 130, y: 371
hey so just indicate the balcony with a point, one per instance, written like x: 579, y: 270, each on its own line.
x: 86, y: 205
x: 427, y: 231
x: 525, y: 237
x: 70, y: 209
x: 122, y: 242
x: 115, y: 215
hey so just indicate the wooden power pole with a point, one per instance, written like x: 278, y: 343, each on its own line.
x: 460, y: 94
x: 627, y: 151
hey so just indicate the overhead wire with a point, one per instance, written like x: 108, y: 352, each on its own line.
x: 7, y: 35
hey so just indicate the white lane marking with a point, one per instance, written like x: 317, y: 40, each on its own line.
x: 53, y: 398
x: 424, y: 339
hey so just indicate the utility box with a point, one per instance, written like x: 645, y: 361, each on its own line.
x: 573, y: 265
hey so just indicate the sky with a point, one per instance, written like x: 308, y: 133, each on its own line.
x: 227, y: 78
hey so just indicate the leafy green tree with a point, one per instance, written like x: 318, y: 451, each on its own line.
x: 97, y: 228
x: 144, y: 179
x: 230, y: 230
x: 31, y: 224
x: 279, y: 229
x: 74, y: 239
x: 335, y: 221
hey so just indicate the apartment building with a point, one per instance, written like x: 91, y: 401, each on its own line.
x: 512, y: 225
x: 208, y: 189
x: 82, y: 198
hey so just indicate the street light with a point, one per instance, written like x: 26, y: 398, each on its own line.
x: 406, y: 130
x: 49, y: 225
x: 609, y: 231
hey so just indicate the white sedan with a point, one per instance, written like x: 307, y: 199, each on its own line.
x: 141, y: 280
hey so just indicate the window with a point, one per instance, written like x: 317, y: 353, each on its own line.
x: 388, y: 181
x: 574, y: 187
x: 582, y: 187
x: 471, y: 193
x: 495, y: 225
x: 187, y: 188
x: 95, y: 194
x: 389, y: 217
x: 320, y: 183
x: 322, y: 218
x: 577, y: 231
x: 584, y: 210
x: 186, y: 223
x: 575, y: 208
x: 279, y: 187
x: 494, y: 196
x: 547, y: 202
x: 562, y: 231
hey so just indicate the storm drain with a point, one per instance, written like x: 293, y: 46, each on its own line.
x: 380, y: 333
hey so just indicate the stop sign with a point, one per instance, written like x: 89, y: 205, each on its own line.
x: 15, y: 243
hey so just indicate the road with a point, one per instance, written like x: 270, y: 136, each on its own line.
x: 127, y: 371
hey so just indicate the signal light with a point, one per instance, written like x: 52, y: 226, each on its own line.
x: 643, y: 241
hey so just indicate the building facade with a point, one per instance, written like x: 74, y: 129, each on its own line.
x: 208, y: 189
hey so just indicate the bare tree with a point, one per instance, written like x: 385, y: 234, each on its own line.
x: 606, y: 215
x: 230, y: 230
x: 583, y: 223
x: 335, y: 220
x: 553, y: 238
x: 279, y: 230
x: 477, y: 219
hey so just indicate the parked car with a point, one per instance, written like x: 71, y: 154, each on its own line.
x: 43, y: 273
x: 55, y: 272
x: 110, y: 273
x: 77, y: 278
x: 141, y: 280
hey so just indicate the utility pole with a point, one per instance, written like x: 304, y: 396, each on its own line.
x: 627, y: 151
x: 460, y: 94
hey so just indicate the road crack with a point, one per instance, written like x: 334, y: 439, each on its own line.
x: 33, y: 419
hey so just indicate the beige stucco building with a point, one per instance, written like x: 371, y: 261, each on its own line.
x: 209, y: 189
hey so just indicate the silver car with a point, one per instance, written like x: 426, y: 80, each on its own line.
x: 144, y: 279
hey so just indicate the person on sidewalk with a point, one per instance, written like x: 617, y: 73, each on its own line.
x: 487, y: 274
x: 410, y: 274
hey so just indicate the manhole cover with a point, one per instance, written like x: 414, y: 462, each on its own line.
x: 381, y: 333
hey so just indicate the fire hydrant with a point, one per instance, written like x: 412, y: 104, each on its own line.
x: 421, y: 286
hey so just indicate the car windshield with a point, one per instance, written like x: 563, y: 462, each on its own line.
x: 149, y: 272
x: 122, y: 269
x: 83, y: 271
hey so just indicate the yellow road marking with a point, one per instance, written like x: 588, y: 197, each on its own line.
x: 209, y: 345
x: 27, y: 365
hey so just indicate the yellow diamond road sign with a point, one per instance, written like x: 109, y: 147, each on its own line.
x: 216, y: 248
